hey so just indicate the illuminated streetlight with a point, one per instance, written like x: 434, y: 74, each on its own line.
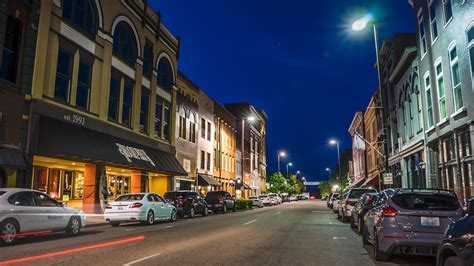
x: 280, y: 154
x: 336, y: 142
x: 361, y: 24
x: 287, y: 168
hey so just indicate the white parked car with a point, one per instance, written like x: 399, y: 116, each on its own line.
x: 275, y: 198
x: 146, y: 208
x: 293, y: 198
x: 256, y: 201
x: 265, y: 199
x: 30, y: 212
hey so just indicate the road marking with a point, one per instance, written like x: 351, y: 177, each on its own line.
x: 322, y: 211
x: 130, y: 229
x: 247, y: 223
x: 168, y: 226
x: 142, y: 259
x: 339, y: 237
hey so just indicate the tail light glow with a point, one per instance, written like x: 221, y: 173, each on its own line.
x: 389, y: 212
x: 108, y: 206
x: 136, y: 205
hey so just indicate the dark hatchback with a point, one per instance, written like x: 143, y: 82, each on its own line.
x: 457, y: 247
x: 363, y: 205
x: 220, y: 201
x: 187, y: 203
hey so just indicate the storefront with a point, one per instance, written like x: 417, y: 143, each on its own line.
x: 85, y: 167
x: 184, y: 183
x: 207, y: 183
x: 12, y: 166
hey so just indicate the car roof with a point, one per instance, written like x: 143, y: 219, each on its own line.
x: 13, y: 190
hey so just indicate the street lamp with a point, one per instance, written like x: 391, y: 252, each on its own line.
x: 287, y: 168
x: 336, y: 142
x: 280, y: 154
x: 329, y: 171
x: 250, y: 119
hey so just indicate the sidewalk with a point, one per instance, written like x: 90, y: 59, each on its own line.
x: 93, y: 220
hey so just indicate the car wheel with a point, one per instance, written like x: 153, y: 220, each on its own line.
x: 224, y: 208
x: 338, y: 216
x: 453, y: 261
x: 344, y: 218
x: 114, y: 224
x: 365, y: 236
x: 8, y: 231
x: 150, y: 218
x: 173, y: 216
x: 206, y: 211
x: 74, y: 226
x: 379, y: 255
x: 192, y: 213
x: 352, y: 222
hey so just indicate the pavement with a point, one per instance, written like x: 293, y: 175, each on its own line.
x: 296, y: 233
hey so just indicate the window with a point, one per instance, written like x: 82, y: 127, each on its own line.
x: 125, y: 45
x: 209, y: 131
x: 84, y: 85
x: 203, y: 160
x: 62, y: 89
x: 470, y: 41
x: 456, y: 78
x: 81, y: 13
x: 192, y: 128
x: 44, y: 200
x: 127, y: 103
x: 165, y: 74
x: 22, y: 199
x: 441, y: 91
x: 422, y: 34
x: 208, y: 162
x: 182, y: 123
x: 448, y: 10
x: 166, y: 123
x: 434, y: 27
x: 147, y: 60
x: 158, y: 118
x: 114, y: 97
x: 145, y: 99
x: 11, y: 50
x: 203, y: 128
x: 429, y: 101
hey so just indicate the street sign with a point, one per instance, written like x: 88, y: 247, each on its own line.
x: 311, y: 183
x: 388, y: 179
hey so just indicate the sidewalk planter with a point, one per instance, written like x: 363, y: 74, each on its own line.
x: 243, y: 204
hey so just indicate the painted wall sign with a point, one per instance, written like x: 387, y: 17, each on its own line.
x: 134, y: 153
x: 75, y: 119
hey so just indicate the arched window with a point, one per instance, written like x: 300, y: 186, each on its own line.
x: 124, y: 43
x: 192, y: 128
x: 81, y: 13
x: 165, y: 74
x: 182, y: 123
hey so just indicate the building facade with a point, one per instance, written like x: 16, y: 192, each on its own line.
x: 101, y: 121
x: 445, y: 41
x: 205, y: 151
x: 373, y: 147
x: 357, y: 131
x: 17, y: 53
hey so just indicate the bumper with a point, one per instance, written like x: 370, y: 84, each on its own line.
x: 410, y: 244
x: 125, y: 216
x: 347, y: 212
x: 215, y: 206
x: 83, y: 221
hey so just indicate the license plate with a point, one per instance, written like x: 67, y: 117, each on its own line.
x: 119, y: 208
x: 430, y: 221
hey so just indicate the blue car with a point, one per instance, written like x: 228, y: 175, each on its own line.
x: 457, y: 247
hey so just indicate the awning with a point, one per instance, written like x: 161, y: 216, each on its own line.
x: 371, y: 182
x: 64, y: 140
x: 356, y: 183
x: 206, y: 180
x: 12, y: 158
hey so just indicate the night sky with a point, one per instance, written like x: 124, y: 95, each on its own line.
x: 297, y: 60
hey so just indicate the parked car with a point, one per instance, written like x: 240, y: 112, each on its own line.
x: 27, y: 211
x: 187, y: 203
x: 335, y: 203
x: 293, y: 198
x: 274, y: 198
x: 146, y: 208
x: 285, y: 198
x: 362, y: 206
x: 256, y: 201
x: 457, y: 247
x: 331, y: 199
x: 348, y: 201
x: 220, y: 201
x: 265, y: 199
x: 409, y: 221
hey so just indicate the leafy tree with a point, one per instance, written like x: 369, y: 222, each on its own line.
x: 278, y: 183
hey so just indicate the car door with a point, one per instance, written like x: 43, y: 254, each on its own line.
x: 166, y: 208
x: 54, y: 216
x: 24, y: 208
x: 153, y: 205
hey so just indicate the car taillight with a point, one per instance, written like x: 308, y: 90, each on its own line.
x: 389, y: 212
x: 108, y: 206
x: 136, y: 205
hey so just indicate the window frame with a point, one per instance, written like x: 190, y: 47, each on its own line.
x: 85, y: 59
x: 455, y: 62
x: 145, y: 129
x: 445, y: 4
x: 83, y: 29
x: 116, y: 50
x: 421, y: 29
x: 68, y: 52
x: 433, y: 21
x: 429, y: 100
x: 470, y: 50
x: 439, y: 76
x: 162, y: 79
x: 19, y: 53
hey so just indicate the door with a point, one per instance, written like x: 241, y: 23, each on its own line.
x: 24, y: 208
x: 154, y: 205
x: 166, y: 208
x: 54, y: 215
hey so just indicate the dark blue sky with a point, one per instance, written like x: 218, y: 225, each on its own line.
x: 296, y: 59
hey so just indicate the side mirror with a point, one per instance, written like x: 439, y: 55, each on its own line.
x: 470, y: 207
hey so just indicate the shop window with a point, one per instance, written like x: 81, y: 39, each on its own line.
x: 11, y: 50
x: 158, y: 118
x: 125, y: 45
x: 118, y: 185
x: 81, y: 13
x: 114, y: 97
x: 73, y: 185
x: 127, y: 103
x: 165, y: 74
x: 54, y: 183
x: 145, y: 99
x: 166, y: 123
x: 62, y: 89
x: 40, y: 175
x: 147, y: 60
x: 84, y: 85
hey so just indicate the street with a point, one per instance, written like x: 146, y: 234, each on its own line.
x: 296, y: 233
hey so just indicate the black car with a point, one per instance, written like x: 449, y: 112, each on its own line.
x: 362, y: 206
x: 220, y: 201
x: 187, y: 203
x: 457, y: 248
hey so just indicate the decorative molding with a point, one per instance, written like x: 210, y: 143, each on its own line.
x: 139, y: 61
x: 146, y: 82
x: 163, y: 94
x: 77, y: 37
x: 105, y: 36
x: 99, y: 14
x: 164, y: 54
x: 118, y: 64
x: 167, y: 46
x: 57, y: 3
x: 130, y: 23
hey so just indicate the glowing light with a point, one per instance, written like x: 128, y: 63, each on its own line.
x: 333, y: 142
x: 361, y: 23
x: 282, y: 154
x: 251, y: 118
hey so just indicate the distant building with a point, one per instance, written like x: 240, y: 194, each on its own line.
x: 207, y: 132
x: 356, y: 129
x: 372, y: 126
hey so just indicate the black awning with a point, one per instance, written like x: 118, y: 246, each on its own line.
x: 12, y: 158
x: 205, y: 180
x: 64, y: 140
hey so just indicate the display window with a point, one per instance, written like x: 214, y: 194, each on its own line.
x: 60, y: 184
x: 117, y: 185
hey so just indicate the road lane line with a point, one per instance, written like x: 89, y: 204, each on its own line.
x: 142, y: 259
x: 339, y: 237
x: 130, y: 229
x: 168, y: 226
x: 247, y: 223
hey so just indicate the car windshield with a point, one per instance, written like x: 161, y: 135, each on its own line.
x: 170, y: 195
x: 130, y: 197
x: 215, y: 193
x: 253, y: 197
x: 356, y: 193
x: 431, y: 202
x: 2, y: 192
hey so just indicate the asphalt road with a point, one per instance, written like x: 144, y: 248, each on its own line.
x: 297, y: 233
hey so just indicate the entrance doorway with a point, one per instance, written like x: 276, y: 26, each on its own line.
x: 3, y: 178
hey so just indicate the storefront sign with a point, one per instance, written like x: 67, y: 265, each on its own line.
x: 388, y: 179
x: 75, y: 119
x: 134, y: 153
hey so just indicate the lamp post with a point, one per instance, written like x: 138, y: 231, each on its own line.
x: 336, y: 142
x: 360, y: 25
x: 280, y: 154
x: 329, y: 171
x: 250, y: 119
x: 287, y: 169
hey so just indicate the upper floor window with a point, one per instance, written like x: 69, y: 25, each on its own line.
x: 165, y: 74
x: 448, y: 10
x: 125, y: 46
x: 158, y: 118
x: 429, y: 101
x: 441, y: 91
x: 127, y: 102
x: 470, y: 41
x: 147, y: 60
x: 203, y: 128
x: 421, y: 29
x: 209, y: 131
x: 11, y: 50
x: 192, y: 128
x: 82, y: 14
x: 114, y: 96
x: 456, y: 78
x: 84, y: 84
x: 144, y: 103
x: 62, y: 90
x: 162, y: 119
x: 434, y: 26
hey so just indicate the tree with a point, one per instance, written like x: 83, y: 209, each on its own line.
x: 278, y: 183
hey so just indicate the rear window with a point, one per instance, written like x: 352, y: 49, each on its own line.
x: 357, y: 193
x: 170, y: 195
x: 2, y: 192
x: 130, y: 197
x: 215, y: 193
x: 262, y: 197
x: 431, y: 202
x: 253, y: 198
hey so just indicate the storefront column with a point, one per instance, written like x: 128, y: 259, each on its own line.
x: 90, y: 196
x: 136, y: 182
